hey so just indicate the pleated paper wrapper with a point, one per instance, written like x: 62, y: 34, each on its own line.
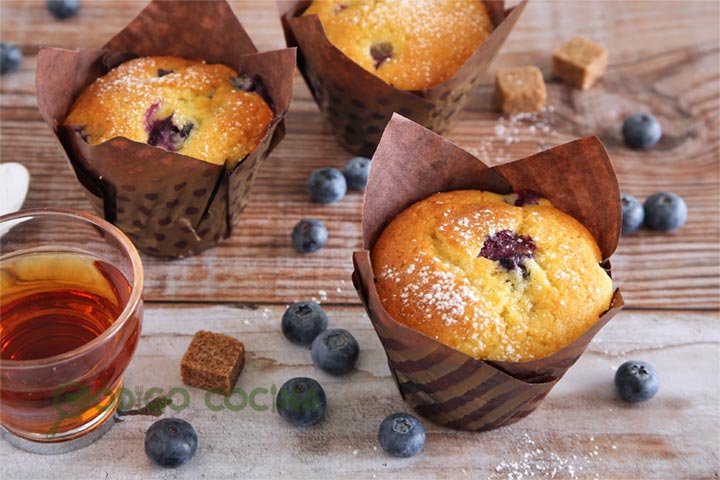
x: 167, y: 203
x: 442, y: 384
x: 357, y: 105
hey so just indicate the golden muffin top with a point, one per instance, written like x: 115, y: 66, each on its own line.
x: 204, y: 111
x: 498, y: 277
x: 412, y: 45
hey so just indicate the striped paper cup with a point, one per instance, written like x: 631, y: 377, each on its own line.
x: 442, y: 384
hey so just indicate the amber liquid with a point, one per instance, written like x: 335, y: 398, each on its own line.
x: 50, y: 304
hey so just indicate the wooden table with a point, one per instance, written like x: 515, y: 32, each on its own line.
x: 664, y: 58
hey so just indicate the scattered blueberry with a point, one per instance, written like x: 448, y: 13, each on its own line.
x: 665, y: 211
x: 309, y: 235
x: 303, y: 321
x: 335, y: 351
x: 636, y: 381
x: 326, y: 185
x: 401, y: 435
x: 301, y: 401
x: 356, y: 173
x: 633, y: 213
x: 171, y: 442
x: 62, y: 9
x: 641, y: 130
x: 10, y: 57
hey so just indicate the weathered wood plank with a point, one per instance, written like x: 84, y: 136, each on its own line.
x: 582, y: 430
x: 666, y: 64
x: 258, y: 264
x: 663, y: 59
x: 542, y: 27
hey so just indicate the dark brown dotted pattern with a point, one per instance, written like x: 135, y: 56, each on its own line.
x: 357, y: 105
x: 242, y: 177
x: 160, y: 218
x: 168, y: 204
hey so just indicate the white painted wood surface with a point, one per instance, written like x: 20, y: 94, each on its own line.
x: 664, y: 58
x: 582, y: 430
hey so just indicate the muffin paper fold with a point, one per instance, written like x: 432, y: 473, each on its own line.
x: 442, y: 384
x: 169, y: 204
x: 357, y: 105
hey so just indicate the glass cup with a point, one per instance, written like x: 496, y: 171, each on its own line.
x: 70, y: 318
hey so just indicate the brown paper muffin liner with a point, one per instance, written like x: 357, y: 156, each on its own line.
x: 357, y: 105
x: 445, y: 385
x: 167, y: 203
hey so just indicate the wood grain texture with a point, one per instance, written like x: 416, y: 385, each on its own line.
x: 664, y: 59
x: 581, y: 430
x: 667, y: 67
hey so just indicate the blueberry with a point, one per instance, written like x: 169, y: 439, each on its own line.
x: 171, y: 442
x: 335, y: 351
x: 641, y: 130
x: 244, y: 82
x: 303, y: 321
x: 509, y: 249
x: 633, y: 213
x: 665, y: 211
x: 356, y: 173
x: 301, y: 401
x: 10, y: 57
x: 636, y: 381
x: 309, y: 235
x: 164, y: 133
x: 380, y: 52
x: 326, y: 185
x: 401, y: 435
x: 527, y: 197
x: 62, y: 9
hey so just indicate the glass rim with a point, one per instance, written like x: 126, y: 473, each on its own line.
x: 136, y: 283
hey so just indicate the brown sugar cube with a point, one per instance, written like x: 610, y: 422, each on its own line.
x: 212, y: 361
x: 579, y: 62
x: 520, y: 89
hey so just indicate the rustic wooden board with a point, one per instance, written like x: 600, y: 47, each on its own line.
x: 666, y: 67
x: 664, y: 58
x: 582, y: 430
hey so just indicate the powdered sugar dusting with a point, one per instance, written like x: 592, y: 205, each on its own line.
x: 532, y: 461
x: 444, y: 294
x: 537, y: 128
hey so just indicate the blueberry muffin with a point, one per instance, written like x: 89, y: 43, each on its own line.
x: 410, y: 45
x: 506, y: 278
x: 208, y: 112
